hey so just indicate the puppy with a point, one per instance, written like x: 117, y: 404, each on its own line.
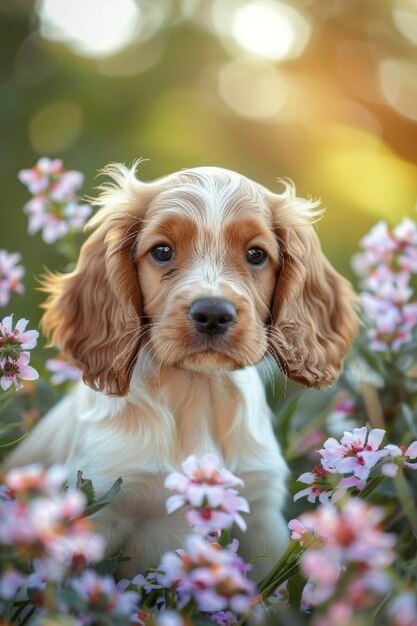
x: 184, y: 285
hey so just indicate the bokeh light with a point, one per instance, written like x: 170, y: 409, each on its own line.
x: 92, y: 28
x: 253, y: 89
x: 399, y: 85
x: 405, y: 19
x: 270, y: 29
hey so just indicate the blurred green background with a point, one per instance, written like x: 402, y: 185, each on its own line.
x: 321, y: 91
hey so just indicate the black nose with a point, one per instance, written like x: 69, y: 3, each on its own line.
x: 212, y: 316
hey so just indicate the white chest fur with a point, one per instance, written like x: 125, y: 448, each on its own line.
x: 142, y: 437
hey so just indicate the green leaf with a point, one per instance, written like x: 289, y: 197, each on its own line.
x: 286, y: 566
x: 72, y: 599
x: 9, y: 444
x: 409, y: 418
x: 225, y: 538
x: 295, y: 588
x: 284, y: 420
x: 108, y: 567
x: 86, y: 486
x: 108, y: 497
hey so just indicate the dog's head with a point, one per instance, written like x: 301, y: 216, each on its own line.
x: 208, y: 269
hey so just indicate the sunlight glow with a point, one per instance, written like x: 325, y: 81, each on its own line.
x: 404, y: 16
x: 398, y: 83
x: 92, y: 28
x: 256, y: 90
x: 270, y: 29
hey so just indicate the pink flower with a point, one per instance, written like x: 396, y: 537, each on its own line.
x: 402, y: 456
x: 62, y: 371
x: 37, y: 179
x: 339, y: 612
x: 350, y: 539
x: 210, y: 576
x: 322, y: 567
x: 385, y: 265
x: 318, y: 487
x: 297, y: 530
x: 379, y: 241
x: 10, y: 371
x: 403, y: 609
x: 45, y: 523
x: 391, y: 325
x: 101, y: 593
x: 361, y: 440
x: 35, y: 480
x: 65, y: 188
x: 208, y: 519
x: 357, y: 452
x: 14, y: 363
x: 405, y: 232
x: 77, y: 214
x: 206, y: 490
x: 54, y: 209
x: 26, y: 339
x: 10, y: 276
x: 386, y: 285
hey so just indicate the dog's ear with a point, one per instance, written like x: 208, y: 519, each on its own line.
x: 313, y: 311
x: 94, y: 314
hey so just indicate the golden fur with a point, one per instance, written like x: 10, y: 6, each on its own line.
x: 161, y: 390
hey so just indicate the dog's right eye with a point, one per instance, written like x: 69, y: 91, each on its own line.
x: 162, y: 253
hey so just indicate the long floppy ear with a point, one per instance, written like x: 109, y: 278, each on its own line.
x: 313, y: 311
x: 94, y: 314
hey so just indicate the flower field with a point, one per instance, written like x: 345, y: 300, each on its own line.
x: 352, y: 451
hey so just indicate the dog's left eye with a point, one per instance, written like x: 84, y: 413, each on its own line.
x: 256, y: 256
x: 162, y: 253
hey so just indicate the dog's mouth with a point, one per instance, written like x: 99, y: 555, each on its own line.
x: 209, y: 360
x: 212, y: 353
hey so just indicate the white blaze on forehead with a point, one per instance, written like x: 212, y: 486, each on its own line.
x: 210, y: 194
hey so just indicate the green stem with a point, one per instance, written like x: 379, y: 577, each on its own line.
x: 26, y: 619
x: 406, y: 498
x: 279, y: 572
x: 285, y: 575
x: 371, y: 486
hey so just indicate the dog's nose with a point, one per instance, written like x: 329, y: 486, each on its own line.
x: 212, y: 316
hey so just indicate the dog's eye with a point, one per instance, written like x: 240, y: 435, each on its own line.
x: 162, y: 253
x: 256, y: 256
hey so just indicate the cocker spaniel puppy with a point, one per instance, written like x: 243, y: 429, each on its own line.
x: 184, y: 285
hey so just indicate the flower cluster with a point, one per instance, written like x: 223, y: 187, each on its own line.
x: 349, y: 545
x: 55, y: 208
x: 385, y: 265
x: 11, y: 274
x: 46, y: 547
x: 212, y: 577
x: 97, y: 593
x: 14, y: 355
x: 207, y: 490
x: 204, y: 573
x: 45, y: 524
x: 356, y: 454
